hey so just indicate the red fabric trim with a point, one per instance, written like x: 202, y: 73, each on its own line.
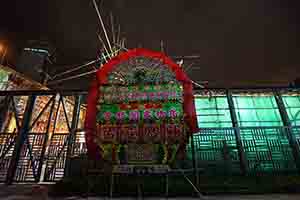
x: 102, y: 75
x: 90, y: 120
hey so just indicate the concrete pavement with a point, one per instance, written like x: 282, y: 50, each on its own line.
x: 219, y: 197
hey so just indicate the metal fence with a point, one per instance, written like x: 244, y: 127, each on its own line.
x: 42, y: 130
x: 38, y: 130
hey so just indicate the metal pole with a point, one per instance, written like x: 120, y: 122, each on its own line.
x: 112, y: 27
x: 167, y: 184
x: 71, y: 140
x: 289, y: 131
x: 107, y: 52
x: 46, y: 139
x: 74, y: 68
x: 119, y: 41
x: 197, y: 84
x: 194, y: 187
x: 111, y: 185
x: 195, y: 167
x: 20, y: 140
x: 73, y: 77
x: 102, y: 24
x: 243, y: 163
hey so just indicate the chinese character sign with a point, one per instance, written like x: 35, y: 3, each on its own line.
x: 145, y: 113
x: 139, y: 103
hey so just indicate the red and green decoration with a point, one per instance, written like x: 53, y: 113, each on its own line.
x: 140, y: 105
x: 140, y: 100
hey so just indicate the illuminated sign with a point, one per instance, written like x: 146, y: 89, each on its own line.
x: 141, y: 133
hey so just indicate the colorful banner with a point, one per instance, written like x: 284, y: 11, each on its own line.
x: 161, y: 109
x: 173, y: 133
x: 126, y: 113
x: 120, y: 104
x: 117, y: 94
x: 141, y: 169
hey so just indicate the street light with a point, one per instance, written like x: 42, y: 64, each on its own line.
x: 1, y: 48
x: 3, y: 51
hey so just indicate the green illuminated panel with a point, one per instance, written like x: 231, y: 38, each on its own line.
x: 292, y: 105
x: 257, y: 111
x: 216, y: 151
x: 213, y: 112
x: 265, y: 143
x: 267, y: 150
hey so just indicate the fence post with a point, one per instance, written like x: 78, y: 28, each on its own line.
x: 42, y: 158
x: 289, y: 131
x: 243, y: 162
x: 21, y: 137
x: 194, y: 159
x: 4, y: 104
x: 71, y: 140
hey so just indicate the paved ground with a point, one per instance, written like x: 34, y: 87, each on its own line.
x: 26, y: 192
x: 226, y: 197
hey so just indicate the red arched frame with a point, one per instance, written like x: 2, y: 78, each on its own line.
x: 102, y: 78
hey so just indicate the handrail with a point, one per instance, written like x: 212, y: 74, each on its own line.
x: 41, y: 92
x: 80, y: 91
x: 245, y: 127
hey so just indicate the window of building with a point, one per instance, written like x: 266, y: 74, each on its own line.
x: 257, y: 111
x: 213, y: 112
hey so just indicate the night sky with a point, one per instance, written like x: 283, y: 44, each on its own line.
x: 240, y: 42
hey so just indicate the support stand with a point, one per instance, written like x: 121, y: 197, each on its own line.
x: 191, y: 183
x: 139, y: 190
x: 111, y: 186
x: 167, y: 185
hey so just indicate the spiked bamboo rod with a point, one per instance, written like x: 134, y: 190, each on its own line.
x: 102, y: 24
x: 107, y: 52
x: 72, y: 77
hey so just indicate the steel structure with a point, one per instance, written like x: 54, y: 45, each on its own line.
x: 243, y: 131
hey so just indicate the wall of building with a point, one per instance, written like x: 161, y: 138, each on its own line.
x: 266, y: 134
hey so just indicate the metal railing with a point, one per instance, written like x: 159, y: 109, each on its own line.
x: 39, y: 139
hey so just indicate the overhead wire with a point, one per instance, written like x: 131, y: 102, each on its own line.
x: 72, y: 77
x: 103, y: 57
x: 76, y: 68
